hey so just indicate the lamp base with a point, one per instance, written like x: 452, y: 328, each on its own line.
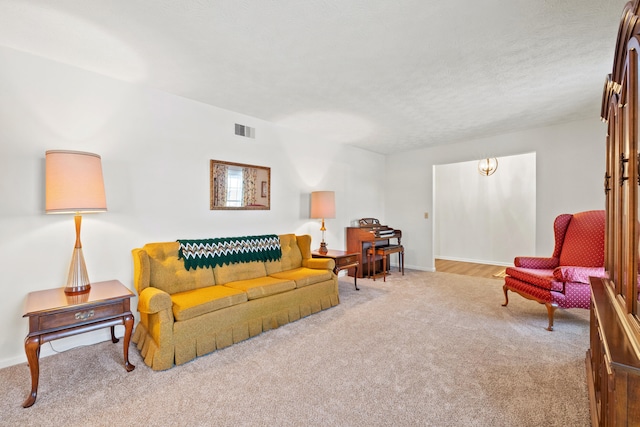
x: 78, y: 279
x: 77, y: 290
x: 323, y: 248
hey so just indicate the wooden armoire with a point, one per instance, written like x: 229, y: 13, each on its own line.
x: 613, y: 359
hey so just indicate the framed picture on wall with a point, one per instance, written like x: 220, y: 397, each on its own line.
x: 264, y: 189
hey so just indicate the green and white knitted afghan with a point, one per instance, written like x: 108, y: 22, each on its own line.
x: 205, y: 253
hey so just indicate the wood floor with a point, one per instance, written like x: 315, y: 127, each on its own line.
x: 470, y: 269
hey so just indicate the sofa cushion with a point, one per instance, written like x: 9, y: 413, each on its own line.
x: 167, y: 272
x: 291, y: 255
x: 190, y: 304
x: 304, y: 276
x: 262, y: 287
x: 239, y: 271
x: 537, y: 277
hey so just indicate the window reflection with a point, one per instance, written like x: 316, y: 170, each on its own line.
x: 234, y: 186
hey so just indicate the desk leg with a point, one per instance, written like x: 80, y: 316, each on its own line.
x: 32, y: 349
x: 355, y: 279
x: 128, y: 328
x: 113, y: 335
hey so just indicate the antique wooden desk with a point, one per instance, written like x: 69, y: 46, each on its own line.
x: 344, y: 260
x: 53, y: 314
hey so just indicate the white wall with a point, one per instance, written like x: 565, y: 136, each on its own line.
x: 155, y: 150
x: 569, y: 178
x: 471, y: 209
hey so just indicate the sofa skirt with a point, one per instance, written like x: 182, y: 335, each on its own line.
x: 219, y: 329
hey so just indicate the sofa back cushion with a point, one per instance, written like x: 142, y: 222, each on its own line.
x: 167, y: 272
x: 239, y: 271
x: 584, y: 241
x: 291, y: 255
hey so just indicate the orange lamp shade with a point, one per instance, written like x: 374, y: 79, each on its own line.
x: 74, y: 182
x: 323, y: 204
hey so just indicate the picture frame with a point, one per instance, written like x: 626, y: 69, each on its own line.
x: 223, y: 181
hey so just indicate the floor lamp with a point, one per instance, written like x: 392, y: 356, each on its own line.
x: 74, y: 184
x: 323, y: 205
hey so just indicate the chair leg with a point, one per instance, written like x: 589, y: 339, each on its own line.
x: 551, y: 309
x: 506, y: 297
x: 384, y: 267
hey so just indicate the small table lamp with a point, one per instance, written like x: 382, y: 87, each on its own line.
x: 323, y: 205
x: 74, y: 184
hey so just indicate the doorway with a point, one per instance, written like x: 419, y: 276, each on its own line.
x: 485, y: 219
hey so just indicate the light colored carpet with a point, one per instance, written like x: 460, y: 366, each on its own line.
x: 424, y: 349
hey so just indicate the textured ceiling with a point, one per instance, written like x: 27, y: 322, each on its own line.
x: 383, y: 75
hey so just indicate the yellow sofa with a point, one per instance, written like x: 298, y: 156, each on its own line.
x: 188, y: 313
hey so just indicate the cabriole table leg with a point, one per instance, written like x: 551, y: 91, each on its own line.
x: 128, y: 328
x: 32, y: 349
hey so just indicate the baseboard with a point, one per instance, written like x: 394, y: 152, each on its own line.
x: 476, y: 261
x: 415, y: 267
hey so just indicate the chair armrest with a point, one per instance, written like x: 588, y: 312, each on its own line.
x: 319, y: 263
x: 536, y: 262
x: 577, y: 274
x: 153, y: 300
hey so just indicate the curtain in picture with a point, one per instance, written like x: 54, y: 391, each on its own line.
x: 220, y: 179
x: 249, y: 177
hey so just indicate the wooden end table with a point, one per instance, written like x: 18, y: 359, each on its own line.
x: 343, y: 260
x: 53, y: 314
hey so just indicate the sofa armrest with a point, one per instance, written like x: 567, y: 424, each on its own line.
x: 141, y: 269
x: 319, y: 263
x: 153, y: 300
x: 577, y: 274
x: 154, y: 333
x: 536, y: 262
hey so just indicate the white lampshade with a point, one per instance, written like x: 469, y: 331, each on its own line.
x: 74, y: 182
x: 323, y: 204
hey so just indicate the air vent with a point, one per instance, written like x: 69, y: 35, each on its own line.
x: 246, y: 131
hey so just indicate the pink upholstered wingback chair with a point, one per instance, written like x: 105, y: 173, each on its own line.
x: 562, y: 280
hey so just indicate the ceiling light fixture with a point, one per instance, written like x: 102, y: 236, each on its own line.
x: 487, y: 166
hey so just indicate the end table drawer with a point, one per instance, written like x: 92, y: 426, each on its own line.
x: 79, y: 316
x: 351, y: 259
